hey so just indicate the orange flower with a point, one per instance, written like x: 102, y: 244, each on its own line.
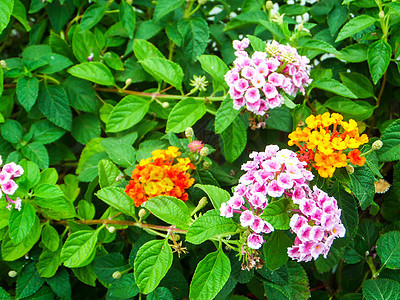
x: 322, y: 143
x: 159, y: 176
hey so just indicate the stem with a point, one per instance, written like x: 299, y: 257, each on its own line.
x: 47, y: 77
x: 188, y: 9
x: 126, y: 223
x: 377, y: 103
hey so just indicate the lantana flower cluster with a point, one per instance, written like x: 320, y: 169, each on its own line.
x: 163, y: 174
x: 271, y: 174
x: 317, y: 223
x: 326, y: 142
x: 255, y: 81
x: 7, y: 183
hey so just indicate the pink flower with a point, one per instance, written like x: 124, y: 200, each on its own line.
x: 285, y: 181
x: 238, y: 103
x: 195, y: 146
x: 231, y: 77
x: 277, y: 101
x: 258, y: 225
x: 262, y: 69
x: 241, y: 45
x: 4, y: 177
x: 298, y: 194
x: 258, y: 81
x: 296, y: 222
x: 272, y: 64
x: 252, y: 95
x: 9, y: 187
x: 236, y: 202
x: 241, y: 85
x: 267, y: 227
x: 235, y: 94
x: 248, y: 72
x: 272, y: 166
x: 258, y: 200
x: 246, y: 218
x: 276, y: 79
x: 226, y: 210
x: 274, y: 190
x: 255, y: 241
x: 307, y: 207
x: 270, y: 90
x: 317, y: 233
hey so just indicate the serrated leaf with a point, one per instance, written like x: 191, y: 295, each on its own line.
x: 275, y: 250
x: 356, y: 109
x: 235, y: 139
x: 105, y: 266
x: 29, y: 281
x: 164, y: 70
x: 93, y: 14
x: 127, y: 113
x: 214, y: 66
x: 195, y: 34
x: 354, y: 53
x: 37, y: 153
x: 127, y: 18
x: 45, y: 132
x: 6, y: 8
x: 362, y: 180
x: 50, y: 237
x: 379, y: 54
x: 48, y: 263
x: 169, y: 209
x: 60, y: 284
x: 84, y: 45
x: 21, y: 222
x: 275, y: 214
x: 108, y: 173
x: 354, y: 26
x: 333, y: 86
x: 320, y: 46
x: 226, y: 114
x: 390, y: 138
x: 185, y: 114
x: 164, y: 7
x: 117, y: 198
x: 209, y: 225
x: 359, y: 84
x: 81, y: 94
x: 93, y: 71
x: 216, y: 194
x: 388, y: 248
x: 124, y: 287
x: 210, y: 276
x: 152, y: 262
x: 27, y: 91
x: 144, y: 49
x: 12, y: 131
x: 377, y: 289
x: 85, y: 127
x: 324, y: 265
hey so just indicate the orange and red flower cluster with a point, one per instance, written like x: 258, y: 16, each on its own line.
x: 159, y: 176
x: 325, y: 146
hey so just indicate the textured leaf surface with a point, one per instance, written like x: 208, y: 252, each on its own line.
x: 388, y: 248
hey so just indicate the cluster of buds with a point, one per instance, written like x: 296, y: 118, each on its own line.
x: 325, y: 146
x: 257, y: 82
x: 196, y: 146
x: 8, y: 185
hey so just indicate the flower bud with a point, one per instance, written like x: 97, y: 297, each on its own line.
x: 111, y: 229
x: 377, y: 145
x: 189, y: 133
x: 128, y: 82
x: 3, y: 64
x: 300, y: 27
x: 203, y: 202
x: 116, y: 275
x: 350, y: 169
x: 142, y: 213
x: 204, y: 151
x: 269, y: 5
x: 165, y: 105
x: 175, y: 237
x: 12, y: 273
x: 381, y: 15
x: 90, y: 57
x: 206, y: 165
x: 202, y: 2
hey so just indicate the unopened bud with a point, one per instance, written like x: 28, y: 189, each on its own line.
x: 206, y: 165
x: 129, y: 2
x: 128, y: 82
x: 165, y: 105
x: 202, y: 2
x: 175, y: 237
x: 377, y: 145
x: 381, y: 15
x: 111, y: 229
x: 204, y: 151
x: 3, y: 64
x: 269, y: 5
x: 90, y: 57
x: 189, y: 133
x: 142, y: 213
x: 350, y: 169
x: 300, y: 27
x: 116, y: 275
x: 12, y: 273
x: 203, y: 202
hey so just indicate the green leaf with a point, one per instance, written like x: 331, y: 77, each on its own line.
x: 84, y: 45
x: 29, y: 281
x: 160, y: 293
x: 45, y: 132
x: 226, y: 114
x: 214, y: 66
x: 37, y: 153
x: 354, y: 26
x: 280, y: 117
x: 275, y: 250
x: 210, y: 276
x: 1, y: 81
x: 31, y: 175
x: 60, y: 46
x: 359, y: 84
x: 124, y: 287
x: 27, y: 91
x: 257, y: 43
x: 56, y: 208
x: 85, y: 127
x: 105, y: 266
x: 356, y: 109
x: 21, y: 222
x: 169, y: 209
x: 390, y: 150
x: 48, y: 263
x: 164, y: 70
x: 275, y: 214
x: 86, y: 210
x: 86, y: 275
x: 12, y: 131
x: 49, y: 176
x: 81, y: 94
x: 127, y: 113
x: 93, y: 15
x: 319, y: 45
x: 353, y: 53
x: 4, y: 295
x: 53, y: 103
x: 216, y: 194
x: 144, y: 49
x: 113, y: 61
x: 164, y: 7
x: 326, y: 264
x: 93, y: 71
x: 117, y: 198
x: 333, y: 86
x: 48, y: 191
x: 152, y: 262
x: 108, y: 173
x: 185, y: 114
x: 209, y: 225
x: 60, y: 284
x: 6, y: 8
x: 361, y: 180
x: 376, y: 289
x: 127, y: 18
x: 55, y: 63
x: 379, y: 54
x: 78, y: 248
x: 120, y: 152
x: 246, y: 19
x: 195, y: 34
x: 50, y: 237
x: 235, y: 139
x: 388, y: 248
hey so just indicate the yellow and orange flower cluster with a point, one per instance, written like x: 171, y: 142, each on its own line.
x: 159, y: 176
x: 325, y: 146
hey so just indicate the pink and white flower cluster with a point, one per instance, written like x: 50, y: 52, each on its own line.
x: 316, y: 224
x: 256, y: 82
x: 8, y: 185
x: 271, y: 174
